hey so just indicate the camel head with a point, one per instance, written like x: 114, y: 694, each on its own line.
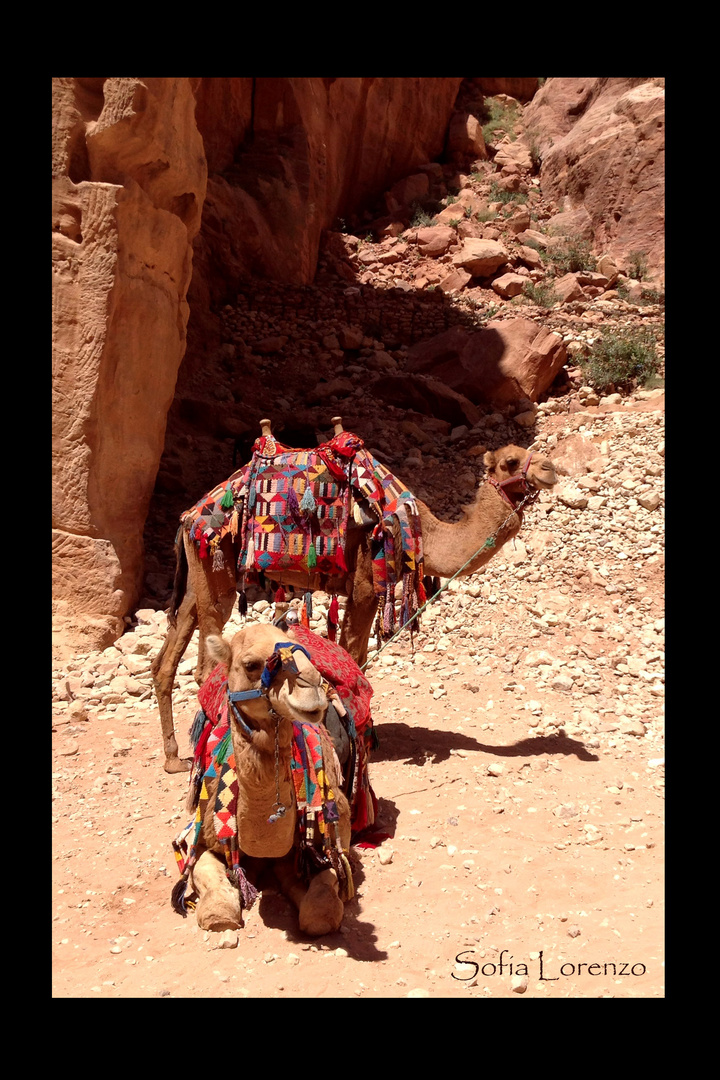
x: 511, y: 461
x: 292, y: 686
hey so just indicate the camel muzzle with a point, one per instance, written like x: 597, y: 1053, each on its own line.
x: 280, y: 659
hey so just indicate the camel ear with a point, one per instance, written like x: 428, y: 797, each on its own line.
x: 218, y: 648
x: 489, y: 460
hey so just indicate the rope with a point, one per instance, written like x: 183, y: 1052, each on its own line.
x: 489, y: 542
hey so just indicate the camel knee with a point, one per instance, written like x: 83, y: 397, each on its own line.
x: 219, y: 905
x: 321, y: 909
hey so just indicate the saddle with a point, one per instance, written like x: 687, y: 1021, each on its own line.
x: 288, y: 510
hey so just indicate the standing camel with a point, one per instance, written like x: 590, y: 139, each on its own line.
x: 205, y: 594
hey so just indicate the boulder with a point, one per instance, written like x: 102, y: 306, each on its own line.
x: 427, y: 396
x: 504, y: 362
x: 465, y: 137
x: 509, y: 285
x: 480, y: 257
x: 435, y: 240
x: 568, y: 288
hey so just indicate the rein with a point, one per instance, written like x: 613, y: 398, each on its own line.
x: 531, y: 494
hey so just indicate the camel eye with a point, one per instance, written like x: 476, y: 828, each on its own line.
x: 253, y: 667
x: 512, y: 462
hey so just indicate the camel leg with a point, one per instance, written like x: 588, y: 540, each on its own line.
x: 320, y: 909
x: 164, y: 669
x: 219, y: 906
x: 215, y: 592
x: 361, y: 608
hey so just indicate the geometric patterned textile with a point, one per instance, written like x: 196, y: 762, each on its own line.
x: 288, y: 510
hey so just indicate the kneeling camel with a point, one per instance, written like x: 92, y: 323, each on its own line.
x: 275, y: 697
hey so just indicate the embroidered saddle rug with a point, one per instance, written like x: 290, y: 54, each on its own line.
x: 288, y: 510
x: 213, y: 779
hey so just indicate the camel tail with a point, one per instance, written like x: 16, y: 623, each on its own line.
x: 180, y: 579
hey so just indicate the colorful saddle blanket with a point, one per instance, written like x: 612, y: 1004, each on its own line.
x: 289, y: 509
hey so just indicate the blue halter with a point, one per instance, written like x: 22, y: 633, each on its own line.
x: 281, y: 658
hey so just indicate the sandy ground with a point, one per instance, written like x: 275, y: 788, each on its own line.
x: 524, y: 820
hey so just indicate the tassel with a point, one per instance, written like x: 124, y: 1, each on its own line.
x: 389, y: 617
x: 332, y: 619
x: 293, y: 504
x: 242, y: 603
x: 308, y: 501
x: 197, y: 728
x: 203, y: 546
x: 251, y: 495
x: 177, y: 898
x: 312, y: 556
x: 234, y: 524
x: 218, y: 562
x: 280, y: 595
x: 340, y: 560
x: 308, y: 604
x: 228, y: 500
x: 304, y: 620
x: 250, y: 557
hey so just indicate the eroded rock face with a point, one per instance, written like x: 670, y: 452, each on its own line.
x: 498, y: 365
x: 128, y: 187
x: 268, y: 164
x: 602, y: 143
x: 307, y: 151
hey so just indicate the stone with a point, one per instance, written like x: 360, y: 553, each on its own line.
x: 480, y: 257
x: 506, y: 361
x: 435, y: 240
x: 509, y: 285
x: 465, y: 136
x: 599, y: 137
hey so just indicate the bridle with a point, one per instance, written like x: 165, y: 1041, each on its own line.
x: 523, y: 493
x: 280, y: 659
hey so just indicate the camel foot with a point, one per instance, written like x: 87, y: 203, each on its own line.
x: 219, y: 912
x: 177, y: 765
x: 321, y: 910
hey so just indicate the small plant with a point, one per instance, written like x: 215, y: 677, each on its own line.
x: 485, y: 215
x: 541, y: 293
x: 575, y: 256
x: 621, y: 360
x: 498, y: 117
x: 499, y: 194
x: 421, y: 218
x: 638, y: 265
x: 454, y: 222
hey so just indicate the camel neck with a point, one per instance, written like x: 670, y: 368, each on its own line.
x: 447, y: 546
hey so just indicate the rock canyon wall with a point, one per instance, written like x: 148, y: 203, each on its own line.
x: 169, y: 193
x: 267, y: 164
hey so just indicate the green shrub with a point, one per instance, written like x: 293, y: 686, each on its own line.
x: 498, y: 194
x: 576, y: 255
x: 498, y: 117
x: 638, y: 265
x: 621, y: 360
x: 541, y: 293
x: 421, y: 218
